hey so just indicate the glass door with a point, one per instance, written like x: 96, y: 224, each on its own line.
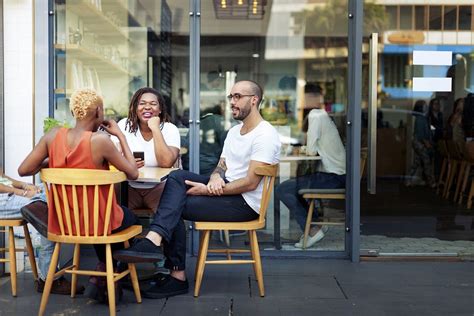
x: 417, y: 122
x: 298, y: 52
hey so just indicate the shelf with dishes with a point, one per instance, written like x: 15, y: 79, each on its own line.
x: 105, y: 23
x: 102, y: 62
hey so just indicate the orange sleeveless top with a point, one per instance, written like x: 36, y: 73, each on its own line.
x: 61, y: 156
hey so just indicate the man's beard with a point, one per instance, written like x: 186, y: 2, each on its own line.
x: 243, y: 112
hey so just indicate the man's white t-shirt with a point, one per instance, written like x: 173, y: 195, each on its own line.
x: 323, y: 138
x: 260, y: 144
x: 136, y: 142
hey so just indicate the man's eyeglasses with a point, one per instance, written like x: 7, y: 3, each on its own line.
x: 236, y: 96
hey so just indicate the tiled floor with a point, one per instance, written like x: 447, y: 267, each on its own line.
x: 293, y: 287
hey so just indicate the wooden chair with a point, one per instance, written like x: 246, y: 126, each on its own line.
x: 71, y: 225
x: 268, y: 173
x: 10, y: 223
x: 445, y: 166
x: 330, y: 194
x: 455, y: 167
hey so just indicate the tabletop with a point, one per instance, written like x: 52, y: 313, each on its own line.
x: 153, y: 174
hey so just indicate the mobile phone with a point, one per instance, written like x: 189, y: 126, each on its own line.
x: 139, y: 154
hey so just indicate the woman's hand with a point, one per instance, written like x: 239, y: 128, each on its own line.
x: 140, y: 162
x: 196, y: 188
x: 154, y: 123
x: 111, y: 127
x: 30, y: 193
x: 31, y: 187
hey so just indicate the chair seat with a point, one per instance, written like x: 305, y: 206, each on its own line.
x: 251, y: 225
x: 120, y: 236
x: 322, y: 191
x: 12, y: 222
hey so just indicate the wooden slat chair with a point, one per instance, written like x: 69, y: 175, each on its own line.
x: 12, y: 250
x: 62, y: 180
x: 454, y: 166
x: 445, y: 166
x: 326, y: 194
x: 466, y: 166
x: 268, y: 172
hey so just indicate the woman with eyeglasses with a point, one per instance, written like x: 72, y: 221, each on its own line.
x: 149, y: 131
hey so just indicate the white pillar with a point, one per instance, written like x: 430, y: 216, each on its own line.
x: 18, y: 83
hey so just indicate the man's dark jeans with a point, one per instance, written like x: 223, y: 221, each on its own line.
x: 176, y: 205
x: 287, y: 192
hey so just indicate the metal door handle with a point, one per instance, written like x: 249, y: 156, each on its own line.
x: 372, y: 111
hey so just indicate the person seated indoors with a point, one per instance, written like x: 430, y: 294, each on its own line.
x: 14, y: 195
x: 323, y: 139
x: 148, y: 129
x: 84, y: 147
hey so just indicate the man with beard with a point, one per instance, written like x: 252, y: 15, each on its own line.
x: 231, y: 194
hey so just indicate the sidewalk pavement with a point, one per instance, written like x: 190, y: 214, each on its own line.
x: 293, y: 287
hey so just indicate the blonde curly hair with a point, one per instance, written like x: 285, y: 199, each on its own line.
x: 83, y: 101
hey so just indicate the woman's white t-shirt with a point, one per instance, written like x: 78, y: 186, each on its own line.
x: 260, y: 144
x: 136, y: 142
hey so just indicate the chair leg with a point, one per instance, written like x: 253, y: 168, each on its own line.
x: 49, y: 279
x: 251, y: 252
x: 12, y: 253
x: 471, y: 194
x: 134, y: 278
x: 258, y: 263
x: 309, y: 218
x: 31, y: 254
x: 451, y: 179
x: 75, y: 262
x: 227, y: 238
x: 202, y: 261
x: 110, y: 279
x: 448, y: 175
x: 441, y: 175
x: 201, y: 239
x: 459, y: 178
x: 464, y: 182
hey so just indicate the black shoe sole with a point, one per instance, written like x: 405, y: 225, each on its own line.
x: 163, y: 295
x: 136, y: 257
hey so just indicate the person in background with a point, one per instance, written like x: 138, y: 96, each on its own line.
x: 322, y: 138
x: 84, y: 147
x: 454, y: 129
x: 211, y: 140
x: 14, y: 195
x: 148, y: 129
x: 422, y: 146
x: 436, y: 124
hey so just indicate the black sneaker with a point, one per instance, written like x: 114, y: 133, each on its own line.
x: 143, y: 250
x: 166, y: 286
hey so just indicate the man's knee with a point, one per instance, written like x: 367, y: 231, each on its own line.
x: 178, y: 175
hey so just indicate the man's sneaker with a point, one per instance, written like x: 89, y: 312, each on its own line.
x: 166, y: 286
x: 313, y: 239
x: 143, y: 250
x: 60, y: 286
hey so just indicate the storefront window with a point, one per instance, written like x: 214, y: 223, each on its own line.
x: 117, y: 47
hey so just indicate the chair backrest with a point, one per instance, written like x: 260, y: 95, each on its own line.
x: 269, y: 173
x: 68, y: 190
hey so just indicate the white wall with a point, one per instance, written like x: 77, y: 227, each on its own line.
x: 18, y: 36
